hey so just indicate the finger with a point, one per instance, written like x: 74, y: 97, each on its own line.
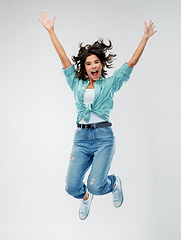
x: 53, y: 20
x: 149, y: 23
x: 46, y: 15
x: 40, y: 21
x: 41, y: 17
x: 145, y: 25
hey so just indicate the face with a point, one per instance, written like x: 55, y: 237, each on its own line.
x: 93, y: 67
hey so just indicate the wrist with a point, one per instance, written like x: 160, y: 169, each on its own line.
x: 145, y: 37
x: 51, y: 31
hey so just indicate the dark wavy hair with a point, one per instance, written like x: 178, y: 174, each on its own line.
x: 99, y: 49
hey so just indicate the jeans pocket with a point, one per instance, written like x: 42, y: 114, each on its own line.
x: 105, y: 130
x: 78, y: 131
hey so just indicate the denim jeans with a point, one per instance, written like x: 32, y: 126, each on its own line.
x: 95, y: 148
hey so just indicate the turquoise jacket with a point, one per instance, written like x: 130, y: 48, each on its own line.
x: 104, y: 92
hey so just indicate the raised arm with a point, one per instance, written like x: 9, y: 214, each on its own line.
x: 148, y: 32
x: 49, y: 26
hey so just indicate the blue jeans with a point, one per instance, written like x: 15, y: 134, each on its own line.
x: 91, y: 147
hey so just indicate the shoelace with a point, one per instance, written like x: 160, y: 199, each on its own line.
x: 83, y: 207
x: 115, y: 195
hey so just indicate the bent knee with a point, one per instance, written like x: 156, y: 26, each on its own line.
x: 93, y: 187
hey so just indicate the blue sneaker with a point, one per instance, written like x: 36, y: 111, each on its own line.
x: 117, y: 193
x: 85, y: 207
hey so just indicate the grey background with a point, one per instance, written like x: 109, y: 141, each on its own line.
x: 37, y: 121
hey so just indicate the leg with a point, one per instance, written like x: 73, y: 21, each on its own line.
x: 86, y: 196
x: 99, y: 182
x: 79, y: 163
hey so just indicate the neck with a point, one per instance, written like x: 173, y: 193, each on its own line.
x: 91, y: 84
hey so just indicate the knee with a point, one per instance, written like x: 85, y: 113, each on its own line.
x: 93, y: 187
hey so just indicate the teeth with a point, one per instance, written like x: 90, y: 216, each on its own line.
x: 95, y: 73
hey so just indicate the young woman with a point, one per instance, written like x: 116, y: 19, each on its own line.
x: 94, y: 139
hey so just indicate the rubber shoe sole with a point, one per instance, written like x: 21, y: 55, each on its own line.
x: 116, y: 203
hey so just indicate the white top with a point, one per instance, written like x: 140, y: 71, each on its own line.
x: 89, y: 98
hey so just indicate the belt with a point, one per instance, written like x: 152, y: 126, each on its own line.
x: 94, y: 125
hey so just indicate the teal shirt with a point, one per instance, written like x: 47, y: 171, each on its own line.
x: 104, y: 92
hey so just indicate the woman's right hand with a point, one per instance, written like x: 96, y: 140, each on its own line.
x: 46, y: 22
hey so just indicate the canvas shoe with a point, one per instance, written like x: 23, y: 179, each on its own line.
x: 117, y: 193
x: 85, y: 207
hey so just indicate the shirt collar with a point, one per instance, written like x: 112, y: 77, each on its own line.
x: 100, y: 78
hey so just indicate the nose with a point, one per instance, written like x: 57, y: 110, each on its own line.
x: 93, y: 65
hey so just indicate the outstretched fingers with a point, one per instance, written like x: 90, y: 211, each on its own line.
x: 46, y: 15
x: 149, y: 30
x: 43, y: 15
x: 152, y: 27
x: 150, y: 24
x: 41, y: 18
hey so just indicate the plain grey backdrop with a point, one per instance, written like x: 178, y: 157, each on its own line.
x: 37, y: 121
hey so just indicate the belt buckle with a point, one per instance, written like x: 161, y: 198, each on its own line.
x: 87, y: 127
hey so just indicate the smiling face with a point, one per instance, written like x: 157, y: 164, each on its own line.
x: 93, y: 67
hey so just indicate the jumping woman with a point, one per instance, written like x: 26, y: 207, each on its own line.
x: 94, y: 139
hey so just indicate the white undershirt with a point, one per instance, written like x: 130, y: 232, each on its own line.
x: 89, y: 98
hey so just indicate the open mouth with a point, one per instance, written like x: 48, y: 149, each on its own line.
x: 94, y: 73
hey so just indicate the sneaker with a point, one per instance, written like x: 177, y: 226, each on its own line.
x: 85, y: 207
x: 117, y: 193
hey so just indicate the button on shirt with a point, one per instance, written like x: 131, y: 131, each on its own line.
x: 104, y: 92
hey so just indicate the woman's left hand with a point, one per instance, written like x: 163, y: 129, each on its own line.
x: 149, y: 30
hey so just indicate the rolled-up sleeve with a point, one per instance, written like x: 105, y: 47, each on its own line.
x: 121, y: 76
x: 70, y: 76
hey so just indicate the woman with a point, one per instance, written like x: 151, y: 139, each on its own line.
x: 94, y: 139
